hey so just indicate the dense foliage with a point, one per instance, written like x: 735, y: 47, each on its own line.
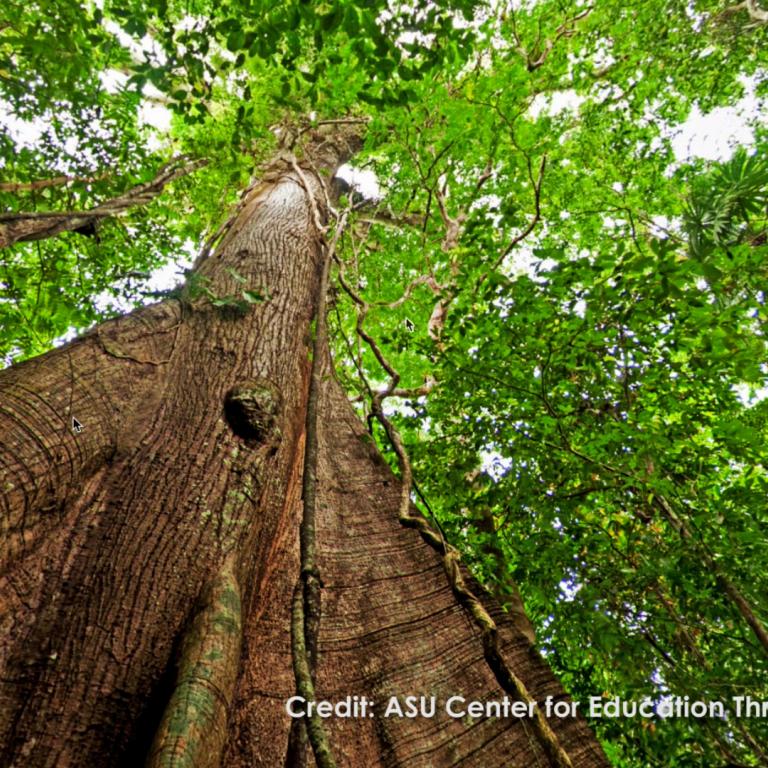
x: 577, y: 313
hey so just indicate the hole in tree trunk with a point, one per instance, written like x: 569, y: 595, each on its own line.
x: 251, y: 410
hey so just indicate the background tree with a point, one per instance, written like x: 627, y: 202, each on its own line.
x: 570, y: 316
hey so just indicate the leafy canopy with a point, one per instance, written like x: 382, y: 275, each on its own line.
x: 578, y: 313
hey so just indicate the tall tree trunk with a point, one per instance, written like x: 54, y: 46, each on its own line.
x: 151, y: 480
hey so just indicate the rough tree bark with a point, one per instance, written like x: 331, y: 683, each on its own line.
x: 151, y: 498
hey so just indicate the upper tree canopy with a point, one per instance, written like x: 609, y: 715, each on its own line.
x: 576, y: 311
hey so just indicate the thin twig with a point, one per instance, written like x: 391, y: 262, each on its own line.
x: 56, y: 181
x: 537, y: 210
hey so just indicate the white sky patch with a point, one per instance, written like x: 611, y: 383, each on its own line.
x: 71, y: 334
x: 396, y: 407
x: 520, y: 5
x: 750, y: 395
x: 112, y: 80
x: 716, y: 135
x: 147, y: 47
x: 364, y: 181
x: 155, y: 115
x: 553, y: 104
x: 152, y: 113
x: 25, y: 133
x: 696, y: 17
x: 188, y: 23
x: 658, y: 680
x: 172, y: 274
x: 494, y: 464
x: 29, y: 134
x: 611, y: 223
x: 106, y: 301
x: 603, y: 58
x: 522, y: 261
x: 492, y: 201
x: 713, y: 136
x: 662, y: 226
x: 412, y: 36
x: 164, y: 278
x: 569, y: 588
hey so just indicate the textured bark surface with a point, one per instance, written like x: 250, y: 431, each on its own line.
x: 184, y: 486
x: 390, y: 627
x: 43, y: 460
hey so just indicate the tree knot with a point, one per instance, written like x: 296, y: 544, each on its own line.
x: 251, y: 410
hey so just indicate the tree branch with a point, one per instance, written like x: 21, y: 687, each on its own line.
x: 537, y: 210
x: 57, y: 181
x: 38, y: 225
x: 755, y: 13
x: 538, y: 56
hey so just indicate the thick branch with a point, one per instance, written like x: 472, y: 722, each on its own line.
x: 504, y: 588
x: 39, y: 225
x: 539, y: 55
x: 56, y: 181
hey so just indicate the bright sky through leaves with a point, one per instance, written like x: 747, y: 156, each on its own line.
x: 562, y: 243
